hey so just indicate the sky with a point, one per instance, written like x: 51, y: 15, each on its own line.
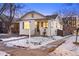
x: 49, y: 8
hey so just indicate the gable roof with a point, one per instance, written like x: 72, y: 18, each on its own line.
x: 48, y: 17
x: 32, y: 12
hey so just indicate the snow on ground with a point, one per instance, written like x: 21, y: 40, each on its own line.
x: 2, y: 34
x: 2, y: 53
x: 67, y: 48
x: 33, y: 42
x: 11, y: 38
x: 36, y: 38
x: 57, y: 37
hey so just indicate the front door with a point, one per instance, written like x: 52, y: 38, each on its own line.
x: 38, y: 28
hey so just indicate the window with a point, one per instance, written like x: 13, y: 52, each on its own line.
x: 26, y: 25
x: 45, y: 24
x: 41, y: 23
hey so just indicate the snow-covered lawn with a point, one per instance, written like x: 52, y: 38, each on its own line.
x: 2, y: 34
x: 67, y: 48
x: 11, y: 38
x: 2, y: 53
x: 33, y: 42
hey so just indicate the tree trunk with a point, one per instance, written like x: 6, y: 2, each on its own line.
x: 9, y: 30
x: 76, y: 36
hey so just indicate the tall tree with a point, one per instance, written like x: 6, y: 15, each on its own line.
x: 71, y: 12
x: 10, y: 9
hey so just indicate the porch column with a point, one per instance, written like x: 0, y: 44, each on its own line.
x: 29, y: 31
x: 49, y: 28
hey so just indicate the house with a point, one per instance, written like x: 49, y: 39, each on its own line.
x: 37, y: 23
x: 69, y: 25
x: 4, y: 24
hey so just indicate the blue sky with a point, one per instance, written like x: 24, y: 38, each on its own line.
x: 45, y: 8
x: 49, y: 8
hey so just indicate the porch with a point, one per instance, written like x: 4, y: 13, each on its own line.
x: 38, y: 27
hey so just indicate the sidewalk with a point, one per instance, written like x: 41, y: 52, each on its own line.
x: 67, y: 48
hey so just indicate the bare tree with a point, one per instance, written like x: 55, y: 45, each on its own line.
x: 10, y: 9
x: 71, y: 12
x: 3, y: 7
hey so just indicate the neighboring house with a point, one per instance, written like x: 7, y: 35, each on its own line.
x: 4, y: 25
x: 38, y: 23
x: 15, y: 26
x: 69, y: 25
x: 77, y: 21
